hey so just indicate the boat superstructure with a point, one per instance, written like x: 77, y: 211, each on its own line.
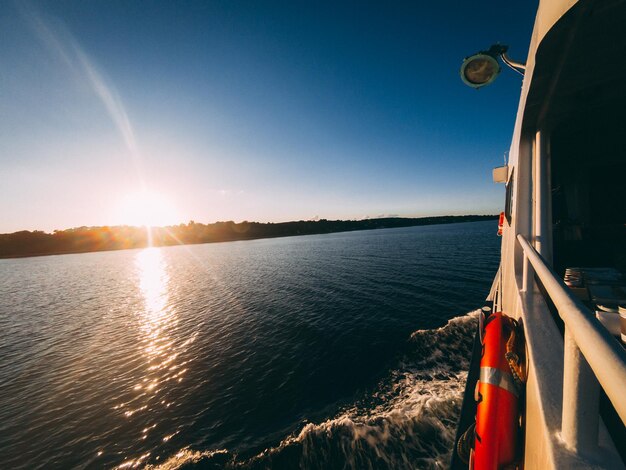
x: 566, y: 209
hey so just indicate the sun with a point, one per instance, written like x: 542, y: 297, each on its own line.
x: 146, y: 208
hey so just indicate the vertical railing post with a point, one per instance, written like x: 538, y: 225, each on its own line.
x: 541, y: 196
x: 580, y: 400
x: 527, y: 279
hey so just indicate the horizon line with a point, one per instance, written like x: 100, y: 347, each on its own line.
x: 316, y: 219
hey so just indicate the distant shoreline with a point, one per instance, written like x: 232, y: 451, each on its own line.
x: 25, y: 244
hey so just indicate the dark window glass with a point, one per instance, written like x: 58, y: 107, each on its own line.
x: 508, y: 205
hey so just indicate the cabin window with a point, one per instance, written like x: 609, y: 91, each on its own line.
x: 588, y: 192
x: 508, y: 204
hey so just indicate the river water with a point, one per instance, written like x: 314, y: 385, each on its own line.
x: 346, y: 350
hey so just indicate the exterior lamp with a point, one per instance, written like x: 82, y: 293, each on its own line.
x: 483, y: 68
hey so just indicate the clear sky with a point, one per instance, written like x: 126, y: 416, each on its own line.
x: 259, y: 111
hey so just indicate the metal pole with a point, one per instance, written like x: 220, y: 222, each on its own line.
x: 541, y: 196
x: 580, y: 400
x: 527, y: 279
x: 538, y: 176
x: 547, y: 192
x: 517, y: 66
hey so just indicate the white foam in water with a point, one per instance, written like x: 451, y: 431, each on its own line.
x: 409, y: 421
x: 187, y: 456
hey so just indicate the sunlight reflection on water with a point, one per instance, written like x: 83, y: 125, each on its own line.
x: 157, y: 321
x: 153, y: 282
x: 159, y: 345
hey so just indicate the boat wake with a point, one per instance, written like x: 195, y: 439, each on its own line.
x: 408, y: 421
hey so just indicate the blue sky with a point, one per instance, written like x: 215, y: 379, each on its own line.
x: 265, y: 111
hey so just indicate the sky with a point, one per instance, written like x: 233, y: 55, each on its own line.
x: 121, y: 112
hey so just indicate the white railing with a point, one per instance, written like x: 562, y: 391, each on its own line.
x: 591, y: 355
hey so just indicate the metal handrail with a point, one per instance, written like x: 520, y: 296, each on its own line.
x: 605, y: 356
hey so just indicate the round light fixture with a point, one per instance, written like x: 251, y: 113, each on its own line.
x: 479, y: 70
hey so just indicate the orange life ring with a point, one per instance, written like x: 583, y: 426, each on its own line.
x: 501, y: 224
x: 497, y: 395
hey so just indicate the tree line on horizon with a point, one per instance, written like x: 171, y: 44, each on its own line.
x: 88, y: 239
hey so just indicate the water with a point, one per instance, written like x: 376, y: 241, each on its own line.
x: 324, y: 351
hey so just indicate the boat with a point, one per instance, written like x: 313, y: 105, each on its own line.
x: 563, y: 249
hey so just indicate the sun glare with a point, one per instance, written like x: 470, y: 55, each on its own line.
x: 147, y: 208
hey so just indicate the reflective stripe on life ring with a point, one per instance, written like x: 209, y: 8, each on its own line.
x: 499, y: 378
